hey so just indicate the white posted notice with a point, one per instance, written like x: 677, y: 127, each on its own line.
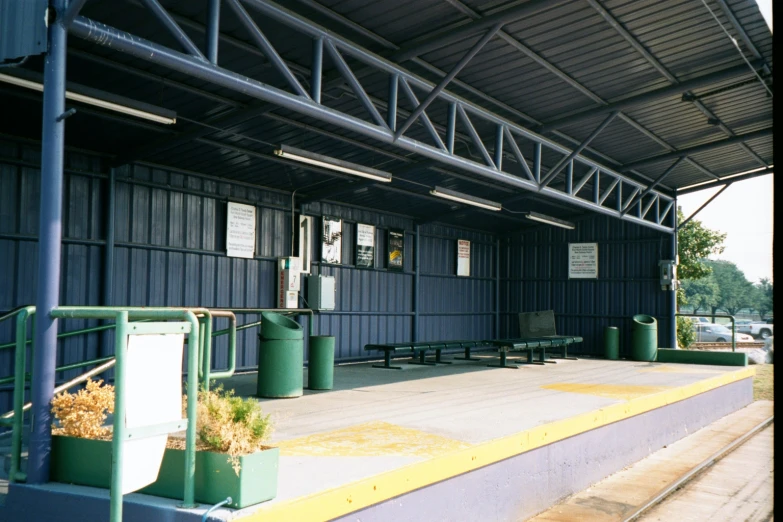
x: 463, y: 257
x: 241, y: 230
x: 582, y: 260
x: 153, y: 395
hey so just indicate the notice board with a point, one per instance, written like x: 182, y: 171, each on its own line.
x: 463, y: 257
x: 240, y: 230
x: 365, y: 245
x: 582, y: 260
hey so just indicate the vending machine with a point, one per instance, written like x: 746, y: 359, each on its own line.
x: 289, y: 271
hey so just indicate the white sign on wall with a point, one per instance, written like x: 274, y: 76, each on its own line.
x: 582, y: 260
x: 147, y: 405
x: 241, y: 230
x: 463, y: 257
x: 365, y: 245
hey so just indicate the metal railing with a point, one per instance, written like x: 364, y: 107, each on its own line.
x: 730, y: 317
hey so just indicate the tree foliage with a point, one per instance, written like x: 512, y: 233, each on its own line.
x: 686, y: 335
x: 761, y: 299
x: 695, y: 243
x: 735, y: 291
x: 702, y: 293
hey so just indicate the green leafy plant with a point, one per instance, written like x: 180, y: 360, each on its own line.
x: 229, y: 424
x: 685, y: 332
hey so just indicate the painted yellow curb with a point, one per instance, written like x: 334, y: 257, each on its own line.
x: 339, y: 501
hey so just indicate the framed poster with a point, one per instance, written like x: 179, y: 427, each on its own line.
x: 395, y: 249
x: 240, y: 230
x: 331, y: 240
x: 582, y: 260
x: 463, y: 258
x: 365, y: 246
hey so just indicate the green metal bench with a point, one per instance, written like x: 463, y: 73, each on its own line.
x: 530, y: 345
x: 420, y: 349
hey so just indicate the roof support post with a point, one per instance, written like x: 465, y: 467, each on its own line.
x: 416, y: 283
x: 316, y: 71
x: 451, y: 127
x: 424, y: 118
x: 574, y: 153
x: 266, y: 46
x: 49, y: 248
x: 357, y: 88
x: 447, y: 79
x: 213, y: 30
x: 673, y: 293
x: 499, y: 147
x: 686, y: 221
x: 391, y: 109
x: 655, y: 183
x: 537, y: 162
x: 173, y: 28
x: 518, y: 154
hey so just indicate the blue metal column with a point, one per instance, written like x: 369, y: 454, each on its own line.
x: 416, y: 270
x: 213, y: 30
x: 108, y: 262
x: 497, y: 289
x: 673, y: 296
x: 49, y: 243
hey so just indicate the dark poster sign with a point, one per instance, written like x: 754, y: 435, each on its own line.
x: 396, y: 249
x: 365, y: 246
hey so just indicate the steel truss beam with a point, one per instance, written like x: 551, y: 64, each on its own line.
x: 689, y: 218
x: 729, y: 178
x: 739, y: 138
x: 101, y: 34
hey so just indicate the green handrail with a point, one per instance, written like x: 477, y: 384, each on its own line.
x: 122, y: 315
x: 733, y: 329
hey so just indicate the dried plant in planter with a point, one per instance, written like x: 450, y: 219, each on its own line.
x: 230, y: 424
x: 83, y: 413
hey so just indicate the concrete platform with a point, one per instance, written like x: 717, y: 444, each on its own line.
x: 451, y: 442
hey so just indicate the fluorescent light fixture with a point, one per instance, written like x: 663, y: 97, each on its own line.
x: 541, y: 218
x: 320, y: 160
x: 121, y: 104
x: 465, y: 198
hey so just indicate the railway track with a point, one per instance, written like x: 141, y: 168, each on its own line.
x: 682, y: 484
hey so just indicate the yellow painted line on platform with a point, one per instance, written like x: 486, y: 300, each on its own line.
x: 623, y: 392
x: 371, y: 439
x: 678, y: 369
x: 339, y: 501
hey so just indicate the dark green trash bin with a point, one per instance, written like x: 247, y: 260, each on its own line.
x: 644, y: 338
x: 280, y: 357
x: 320, y: 367
x: 612, y: 343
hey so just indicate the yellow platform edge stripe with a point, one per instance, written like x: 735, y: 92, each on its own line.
x: 342, y: 500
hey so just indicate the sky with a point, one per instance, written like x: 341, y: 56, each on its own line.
x: 744, y: 212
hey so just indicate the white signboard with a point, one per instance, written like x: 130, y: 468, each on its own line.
x: 153, y: 395
x: 463, y: 257
x: 365, y: 245
x: 582, y: 260
x: 241, y: 230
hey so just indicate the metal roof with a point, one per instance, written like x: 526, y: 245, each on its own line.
x: 550, y: 66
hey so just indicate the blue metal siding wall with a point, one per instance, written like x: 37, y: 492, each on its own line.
x: 534, y: 268
x: 456, y: 307
x: 170, y: 251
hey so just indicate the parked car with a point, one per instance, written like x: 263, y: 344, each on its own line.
x: 717, y: 333
x: 757, y: 329
x: 702, y: 320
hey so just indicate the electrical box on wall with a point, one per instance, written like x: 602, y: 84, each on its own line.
x: 321, y: 292
x: 288, y: 282
x: 668, y: 269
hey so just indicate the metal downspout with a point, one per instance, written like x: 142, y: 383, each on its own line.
x: 673, y: 296
x: 49, y: 246
x: 416, y: 284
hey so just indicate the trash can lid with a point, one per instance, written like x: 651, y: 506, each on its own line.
x: 278, y: 326
x: 644, y: 319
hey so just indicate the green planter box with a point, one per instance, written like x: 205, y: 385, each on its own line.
x: 88, y: 463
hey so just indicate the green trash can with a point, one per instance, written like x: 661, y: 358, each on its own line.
x: 644, y: 338
x: 320, y: 368
x: 612, y: 343
x: 280, y: 357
